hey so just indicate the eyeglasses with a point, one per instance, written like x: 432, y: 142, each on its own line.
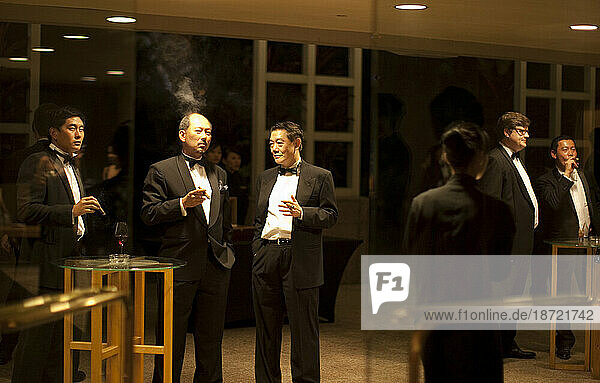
x: 521, y: 132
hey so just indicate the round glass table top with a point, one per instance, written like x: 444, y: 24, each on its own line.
x: 133, y: 264
x: 593, y: 242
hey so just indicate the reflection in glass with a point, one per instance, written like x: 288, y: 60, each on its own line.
x: 332, y: 108
x: 13, y: 40
x: 14, y: 93
x: 335, y: 157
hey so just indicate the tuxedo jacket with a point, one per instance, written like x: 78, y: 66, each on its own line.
x: 316, y: 196
x: 558, y: 217
x: 502, y: 181
x: 44, y: 198
x: 188, y: 238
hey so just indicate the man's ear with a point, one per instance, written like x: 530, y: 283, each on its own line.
x: 298, y: 144
x: 53, y: 132
x: 182, y: 135
x: 506, y: 132
x: 553, y: 154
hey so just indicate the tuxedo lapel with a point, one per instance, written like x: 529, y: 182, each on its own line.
x: 60, y: 170
x: 267, y: 185
x: 516, y: 173
x: 216, y: 194
x: 188, y: 183
x: 557, y: 177
x: 306, y: 183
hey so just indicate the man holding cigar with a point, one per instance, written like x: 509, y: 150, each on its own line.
x: 188, y: 197
x: 568, y: 207
x: 50, y: 193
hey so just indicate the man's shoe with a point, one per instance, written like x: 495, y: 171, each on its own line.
x: 78, y: 376
x: 563, y: 353
x: 517, y: 353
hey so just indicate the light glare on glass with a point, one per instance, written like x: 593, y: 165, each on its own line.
x: 583, y: 27
x: 42, y: 49
x: 19, y: 59
x: 115, y: 72
x: 88, y: 78
x: 410, y: 7
x: 76, y: 37
x: 121, y: 19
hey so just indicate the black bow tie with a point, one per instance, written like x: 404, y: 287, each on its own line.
x: 66, y: 158
x: 285, y: 171
x: 192, y: 161
x: 515, y: 155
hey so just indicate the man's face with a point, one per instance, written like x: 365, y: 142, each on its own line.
x: 284, y: 152
x: 214, y: 155
x: 565, y: 151
x: 69, y: 136
x: 516, y: 139
x: 196, y: 138
x: 233, y: 161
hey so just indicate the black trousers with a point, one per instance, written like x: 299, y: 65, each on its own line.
x: 273, y: 291
x: 203, y: 302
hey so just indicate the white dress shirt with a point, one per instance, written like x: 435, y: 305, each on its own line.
x: 526, y: 181
x: 578, y: 197
x: 70, y: 172
x: 200, y: 180
x: 278, y: 225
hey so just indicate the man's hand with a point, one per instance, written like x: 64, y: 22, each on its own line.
x: 87, y: 205
x: 570, y: 164
x: 290, y: 208
x: 195, y: 198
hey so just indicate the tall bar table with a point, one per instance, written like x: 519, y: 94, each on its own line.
x: 592, y: 288
x: 111, y: 351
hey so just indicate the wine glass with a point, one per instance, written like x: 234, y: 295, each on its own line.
x: 121, y: 235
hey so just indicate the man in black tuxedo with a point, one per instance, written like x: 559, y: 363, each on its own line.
x: 295, y: 201
x: 567, y: 205
x: 507, y: 180
x: 188, y: 198
x: 50, y: 194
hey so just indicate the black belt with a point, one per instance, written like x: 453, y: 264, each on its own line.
x: 279, y: 241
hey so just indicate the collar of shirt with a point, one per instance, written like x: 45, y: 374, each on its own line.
x: 508, y: 150
x: 574, y: 175
x: 295, y: 165
x: 57, y: 149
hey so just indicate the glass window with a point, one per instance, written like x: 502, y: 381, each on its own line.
x: 573, y: 79
x: 285, y: 102
x: 336, y: 157
x: 539, y: 111
x: 13, y: 40
x: 332, y: 105
x: 539, y: 76
x: 332, y: 61
x: 572, y: 118
x: 284, y: 57
x: 14, y: 93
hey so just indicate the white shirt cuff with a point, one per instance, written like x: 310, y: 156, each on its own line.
x: 183, y: 211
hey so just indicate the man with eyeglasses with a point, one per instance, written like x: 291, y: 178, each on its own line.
x: 507, y: 180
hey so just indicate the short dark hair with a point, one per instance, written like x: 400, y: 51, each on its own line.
x: 509, y: 121
x: 231, y: 149
x: 292, y: 130
x: 185, y: 122
x: 462, y: 141
x: 556, y: 140
x: 42, y: 118
x: 62, y: 114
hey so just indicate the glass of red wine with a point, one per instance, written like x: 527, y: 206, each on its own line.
x: 121, y: 234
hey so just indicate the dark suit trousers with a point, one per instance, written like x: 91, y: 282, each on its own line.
x: 273, y: 290
x: 203, y: 302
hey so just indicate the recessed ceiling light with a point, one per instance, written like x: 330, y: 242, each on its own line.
x: 410, y: 7
x: 19, y: 59
x: 583, y: 27
x: 121, y: 19
x: 88, y: 78
x: 115, y: 72
x: 42, y: 49
x: 76, y: 37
